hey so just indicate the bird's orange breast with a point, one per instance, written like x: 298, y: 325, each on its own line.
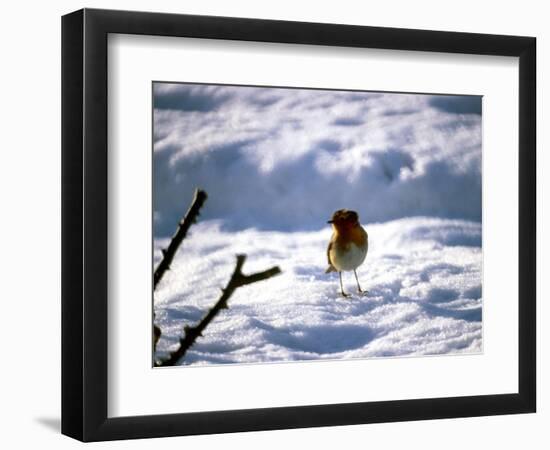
x: 355, y: 234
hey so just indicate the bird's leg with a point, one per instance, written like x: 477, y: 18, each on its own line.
x: 342, y: 286
x: 358, y: 286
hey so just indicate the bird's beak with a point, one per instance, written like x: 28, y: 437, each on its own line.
x: 330, y: 221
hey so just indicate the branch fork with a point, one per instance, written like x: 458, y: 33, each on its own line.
x: 237, y: 280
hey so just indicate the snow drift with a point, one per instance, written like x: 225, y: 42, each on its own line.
x: 291, y: 157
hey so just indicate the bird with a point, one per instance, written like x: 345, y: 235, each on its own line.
x: 348, y: 245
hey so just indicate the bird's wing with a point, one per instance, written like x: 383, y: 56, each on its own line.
x: 330, y: 266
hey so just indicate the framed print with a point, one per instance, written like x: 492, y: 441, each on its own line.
x: 273, y: 224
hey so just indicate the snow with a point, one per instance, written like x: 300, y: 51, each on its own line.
x: 423, y: 276
x: 276, y: 163
x: 292, y: 157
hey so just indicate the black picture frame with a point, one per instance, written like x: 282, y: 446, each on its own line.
x: 84, y: 224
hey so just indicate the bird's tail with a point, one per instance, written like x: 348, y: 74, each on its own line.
x: 330, y: 269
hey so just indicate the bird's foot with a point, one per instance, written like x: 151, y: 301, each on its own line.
x: 345, y: 295
x: 363, y: 293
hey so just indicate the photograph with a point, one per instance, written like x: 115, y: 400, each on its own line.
x: 298, y: 224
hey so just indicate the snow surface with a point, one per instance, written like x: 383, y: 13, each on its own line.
x: 423, y: 276
x: 276, y: 163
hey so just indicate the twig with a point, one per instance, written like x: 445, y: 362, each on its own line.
x: 183, y: 226
x: 168, y: 254
x: 237, y: 280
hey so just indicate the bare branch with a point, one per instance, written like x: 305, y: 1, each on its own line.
x: 168, y: 254
x: 237, y: 280
x: 183, y: 227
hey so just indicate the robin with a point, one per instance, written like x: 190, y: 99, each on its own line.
x: 348, y: 245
